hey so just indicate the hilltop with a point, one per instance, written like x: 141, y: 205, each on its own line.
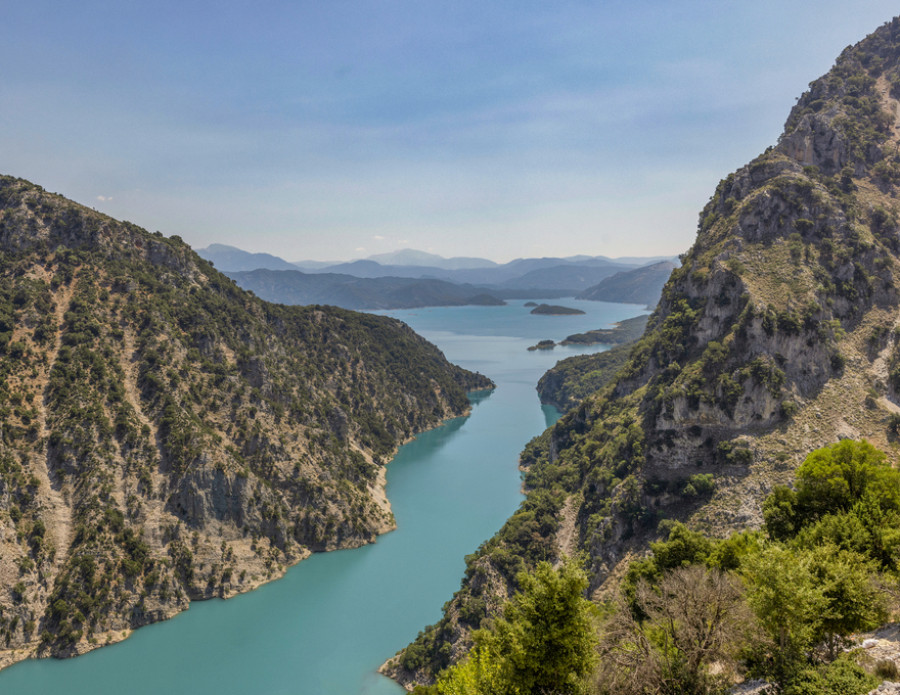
x: 776, y: 336
x: 168, y: 437
x: 639, y: 286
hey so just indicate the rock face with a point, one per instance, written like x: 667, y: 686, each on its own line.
x: 776, y: 336
x: 166, y: 436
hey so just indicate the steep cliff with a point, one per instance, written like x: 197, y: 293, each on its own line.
x: 166, y: 436
x: 777, y: 335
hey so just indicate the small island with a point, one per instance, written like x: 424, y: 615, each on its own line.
x: 543, y: 345
x: 555, y: 310
x: 530, y: 304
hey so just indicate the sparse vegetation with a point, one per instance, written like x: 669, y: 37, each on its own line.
x: 775, y: 335
x: 699, y: 613
x: 130, y: 364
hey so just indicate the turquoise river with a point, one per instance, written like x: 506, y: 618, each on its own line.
x: 326, y: 626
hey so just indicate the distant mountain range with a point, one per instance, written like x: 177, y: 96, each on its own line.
x: 349, y: 292
x: 638, y: 286
x: 410, y: 278
x: 413, y: 257
x: 228, y: 258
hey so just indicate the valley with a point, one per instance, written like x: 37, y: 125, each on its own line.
x: 776, y: 337
x: 331, y: 620
x: 556, y: 472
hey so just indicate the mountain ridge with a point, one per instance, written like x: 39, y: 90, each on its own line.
x: 168, y: 437
x: 229, y: 258
x: 483, y: 271
x: 639, y: 286
x: 776, y: 336
x: 351, y: 292
x: 423, y: 258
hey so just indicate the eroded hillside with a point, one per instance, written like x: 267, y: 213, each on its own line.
x: 167, y: 436
x: 778, y: 335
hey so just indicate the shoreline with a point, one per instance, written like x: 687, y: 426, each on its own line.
x: 378, y: 496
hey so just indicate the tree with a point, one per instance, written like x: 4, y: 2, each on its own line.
x: 683, y: 547
x: 836, y: 477
x: 479, y: 674
x: 847, y: 478
x: 852, y: 602
x: 694, y: 618
x: 779, y: 513
x: 789, y: 602
x: 543, y: 643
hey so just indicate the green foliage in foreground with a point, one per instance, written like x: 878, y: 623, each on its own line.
x: 842, y: 677
x: 543, y: 643
x: 699, y: 613
x: 810, y: 581
x: 847, y: 495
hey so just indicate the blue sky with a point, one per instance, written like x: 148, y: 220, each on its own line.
x: 334, y: 130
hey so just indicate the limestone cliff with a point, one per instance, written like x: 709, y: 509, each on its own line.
x: 166, y: 436
x: 777, y: 335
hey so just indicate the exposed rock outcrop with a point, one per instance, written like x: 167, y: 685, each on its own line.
x: 776, y: 336
x: 166, y: 436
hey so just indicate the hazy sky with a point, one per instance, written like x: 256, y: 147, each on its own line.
x: 336, y: 129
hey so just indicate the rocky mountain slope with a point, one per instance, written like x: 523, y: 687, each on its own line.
x: 778, y: 334
x: 166, y: 436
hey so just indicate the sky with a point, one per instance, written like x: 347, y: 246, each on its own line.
x: 337, y: 129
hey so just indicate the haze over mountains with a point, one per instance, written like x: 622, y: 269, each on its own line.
x: 778, y: 335
x: 409, y: 278
x: 167, y: 436
x: 641, y: 285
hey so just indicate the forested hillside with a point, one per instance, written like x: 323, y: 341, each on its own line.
x: 167, y: 436
x: 777, y: 335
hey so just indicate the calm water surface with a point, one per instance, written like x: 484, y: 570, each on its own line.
x: 334, y: 618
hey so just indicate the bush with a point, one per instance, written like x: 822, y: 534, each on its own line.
x: 893, y: 425
x: 887, y: 670
x: 703, y: 483
x: 544, y: 642
x: 789, y: 409
x: 842, y: 677
x: 837, y: 362
x: 692, y: 625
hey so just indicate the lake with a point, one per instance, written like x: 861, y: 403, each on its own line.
x: 327, y: 625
